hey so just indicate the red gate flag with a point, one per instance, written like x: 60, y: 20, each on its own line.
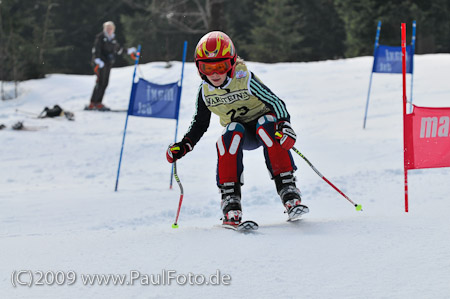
x: 427, y: 138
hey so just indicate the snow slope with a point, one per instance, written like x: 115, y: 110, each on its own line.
x: 59, y: 211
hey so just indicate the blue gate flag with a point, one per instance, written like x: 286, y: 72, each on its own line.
x: 154, y: 100
x: 389, y: 59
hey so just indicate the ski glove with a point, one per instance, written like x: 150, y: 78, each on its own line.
x: 178, y: 150
x: 288, y: 135
x: 100, y: 62
x: 131, y: 50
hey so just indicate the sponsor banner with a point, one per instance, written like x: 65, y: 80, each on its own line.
x: 154, y: 100
x: 389, y: 59
x: 427, y: 138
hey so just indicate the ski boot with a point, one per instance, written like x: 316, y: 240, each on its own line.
x: 69, y: 115
x: 101, y: 107
x: 231, y: 203
x: 97, y: 107
x: 290, y: 195
x: 91, y: 106
x: 233, y: 218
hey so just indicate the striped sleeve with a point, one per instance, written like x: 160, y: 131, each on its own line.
x: 200, y: 120
x: 264, y: 94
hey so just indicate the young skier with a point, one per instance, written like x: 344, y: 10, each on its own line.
x: 251, y: 114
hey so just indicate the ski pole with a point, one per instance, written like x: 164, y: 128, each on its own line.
x: 27, y: 112
x: 175, y: 174
x: 357, y: 206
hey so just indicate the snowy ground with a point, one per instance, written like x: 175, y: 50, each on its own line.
x: 59, y: 211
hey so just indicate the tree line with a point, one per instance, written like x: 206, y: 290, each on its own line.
x: 38, y: 37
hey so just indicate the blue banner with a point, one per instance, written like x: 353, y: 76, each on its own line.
x: 389, y: 59
x: 154, y: 100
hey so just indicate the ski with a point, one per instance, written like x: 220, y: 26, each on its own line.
x: 296, y: 212
x: 86, y: 108
x: 243, y: 226
x: 19, y: 126
x: 67, y: 114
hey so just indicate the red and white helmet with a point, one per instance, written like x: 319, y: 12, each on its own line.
x: 215, y: 53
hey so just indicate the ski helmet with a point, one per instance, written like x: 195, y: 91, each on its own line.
x: 215, y: 53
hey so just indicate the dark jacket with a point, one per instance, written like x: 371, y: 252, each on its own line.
x: 106, y: 49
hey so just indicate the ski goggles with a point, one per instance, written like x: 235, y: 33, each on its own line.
x: 209, y: 68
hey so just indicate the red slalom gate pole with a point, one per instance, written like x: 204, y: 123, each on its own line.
x: 404, y: 112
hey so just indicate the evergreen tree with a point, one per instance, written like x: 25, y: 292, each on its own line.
x: 360, y: 25
x: 167, y: 24
x: 290, y: 30
x: 77, y: 22
x: 240, y: 19
x: 322, y: 30
x: 46, y: 36
x: 361, y: 18
x: 433, y: 25
x: 275, y: 32
x: 19, y: 48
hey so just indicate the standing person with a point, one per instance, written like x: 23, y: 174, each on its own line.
x: 251, y: 114
x: 104, y: 54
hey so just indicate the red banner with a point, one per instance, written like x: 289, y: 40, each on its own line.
x: 427, y: 138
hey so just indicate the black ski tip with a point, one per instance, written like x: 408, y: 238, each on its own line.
x: 296, y: 212
x: 245, y: 226
x: 248, y: 225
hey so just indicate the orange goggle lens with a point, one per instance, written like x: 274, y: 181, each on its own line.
x: 209, y: 68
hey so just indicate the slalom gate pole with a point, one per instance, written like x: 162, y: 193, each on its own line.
x: 130, y: 105
x: 175, y: 174
x: 413, y: 46
x: 403, y: 28
x: 357, y: 206
x: 377, y: 37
